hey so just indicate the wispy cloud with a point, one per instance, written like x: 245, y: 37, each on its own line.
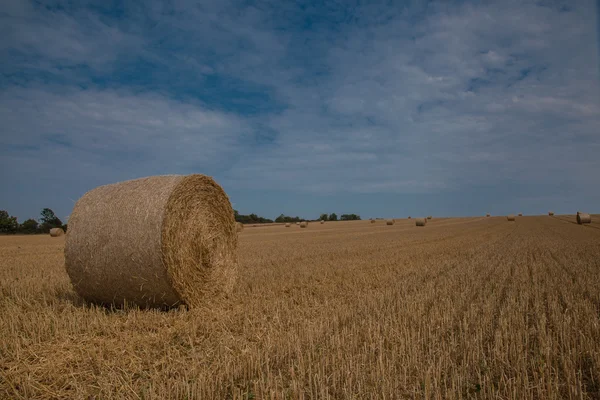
x: 428, y: 98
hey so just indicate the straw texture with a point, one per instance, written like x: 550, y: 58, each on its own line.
x: 155, y: 242
x: 583, y: 218
x: 56, y: 232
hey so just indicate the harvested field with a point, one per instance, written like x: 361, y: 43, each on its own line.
x: 466, y: 308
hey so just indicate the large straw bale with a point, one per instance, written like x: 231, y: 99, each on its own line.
x: 389, y: 222
x: 510, y: 217
x: 56, y: 232
x: 155, y: 242
x: 303, y: 224
x: 583, y: 218
x: 420, y: 221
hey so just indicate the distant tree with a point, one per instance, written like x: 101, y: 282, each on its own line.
x: 250, y: 219
x: 29, y: 226
x: 64, y: 227
x: 49, y: 220
x: 350, y: 217
x: 323, y: 217
x: 333, y: 217
x: 8, y: 224
x: 285, y: 218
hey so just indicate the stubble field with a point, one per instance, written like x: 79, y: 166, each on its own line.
x: 462, y: 308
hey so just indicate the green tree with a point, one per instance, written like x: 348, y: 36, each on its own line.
x: 8, y: 224
x: 49, y: 220
x: 323, y: 217
x: 333, y: 217
x: 350, y: 217
x: 29, y: 226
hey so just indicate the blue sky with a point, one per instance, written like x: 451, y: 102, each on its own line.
x: 385, y: 109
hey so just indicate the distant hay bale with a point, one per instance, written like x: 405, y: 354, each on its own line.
x: 239, y: 226
x: 429, y: 217
x: 287, y: 224
x: 303, y: 224
x: 160, y: 241
x: 520, y: 214
x: 487, y: 215
x: 389, y: 222
x: 322, y: 222
x: 372, y: 221
x: 511, y: 217
x: 409, y: 217
x: 550, y: 213
x: 297, y: 223
x: 420, y: 221
x: 56, y: 232
x: 583, y: 218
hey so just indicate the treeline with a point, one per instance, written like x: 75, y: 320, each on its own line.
x: 250, y: 219
x: 343, y: 217
x: 48, y: 220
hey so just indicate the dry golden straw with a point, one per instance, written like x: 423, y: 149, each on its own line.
x: 583, y: 218
x: 511, y: 217
x: 287, y: 224
x: 303, y: 224
x: 389, y: 222
x: 155, y: 242
x: 239, y: 226
x: 56, y: 232
x: 420, y: 221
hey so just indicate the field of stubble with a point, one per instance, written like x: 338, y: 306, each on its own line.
x: 463, y: 308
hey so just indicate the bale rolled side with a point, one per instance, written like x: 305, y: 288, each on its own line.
x: 287, y: 225
x: 420, y: 221
x: 511, y: 217
x: 322, y: 222
x: 487, y: 215
x: 409, y: 217
x: 372, y: 221
x: 56, y: 232
x: 584, y: 218
x: 520, y: 214
x: 429, y: 217
x: 389, y: 222
x: 550, y: 213
x: 155, y: 242
x: 303, y: 224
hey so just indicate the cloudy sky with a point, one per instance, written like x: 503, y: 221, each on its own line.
x: 379, y: 108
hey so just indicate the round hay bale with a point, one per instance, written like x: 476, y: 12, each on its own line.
x: 511, y: 217
x: 297, y: 223
x: 429, y: 217
x: 303, y: 224
x: 409, y: 217
x: 520, y: 214
x: 389, y: 222
x: 550, y: 213
x: 322, y: 222
x: 56, y: 232
x: 239, y: 226
x: 372, y: 221
x: 420, y: 221
x: 287, y: 224
x: 583, y: 218
x: 159, y: 241
x: 487, y: 215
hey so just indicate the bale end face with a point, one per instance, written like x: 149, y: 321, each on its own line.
x: 583, y: 218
